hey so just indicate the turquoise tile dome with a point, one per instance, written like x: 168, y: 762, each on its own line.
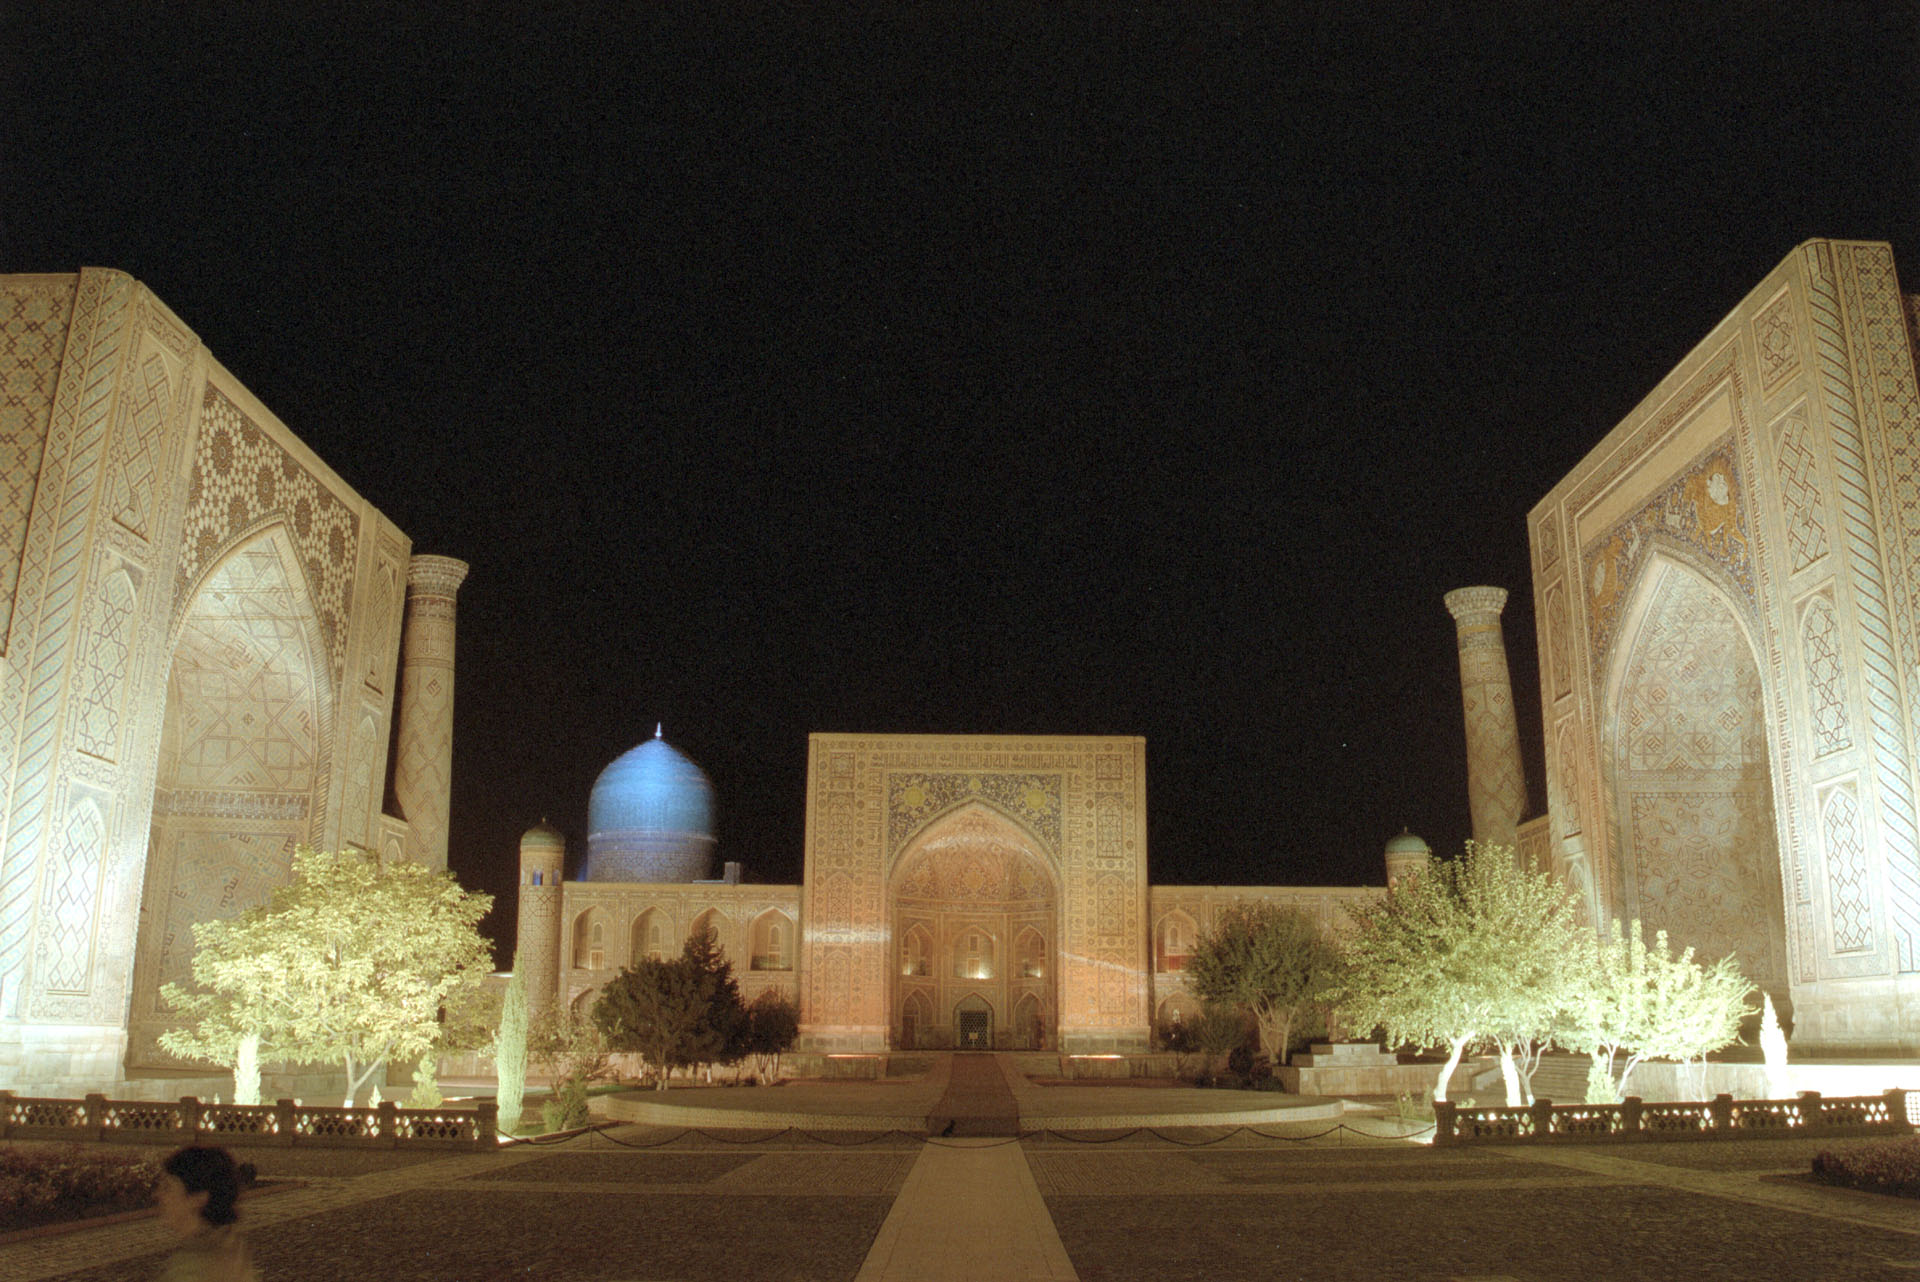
x: 650, y: 818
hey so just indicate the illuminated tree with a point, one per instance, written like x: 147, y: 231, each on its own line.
x: 1692, y: 1009
x: 570, y: 1049
x: 510, y: 1049
x: 352, y: 962
x: 1467, y: 951
x: 1643, y: 999
x: 1270, y: 960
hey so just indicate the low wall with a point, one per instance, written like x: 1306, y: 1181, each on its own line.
x: 1661, y: 1080
x: 1723, y: 1117
x: 189, y: 1121
x: 1111, y: 1067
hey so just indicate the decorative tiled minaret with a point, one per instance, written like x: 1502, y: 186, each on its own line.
x: 1496, y: 789
x: 423, y: 767
x: 543, y: 853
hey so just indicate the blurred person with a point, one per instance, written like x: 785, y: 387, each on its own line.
x: 198, y: 1190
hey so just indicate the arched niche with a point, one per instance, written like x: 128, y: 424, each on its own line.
x: 973, y: 1024
x: 715, y: 920
x: 1175, y: 1009
x: 590, y: 940
x: 1028, y: 1024
x: 1685, y: 763
x: 1174, y: 937
x: 245, y: 756
x: 916, y: 1014
x: 974, y: 904
x: 772, y: 944
x: 1030, y: 954
x: 652, y: 937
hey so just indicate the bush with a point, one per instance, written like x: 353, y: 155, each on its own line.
x: 566, y: 1108
x: 1410, y: 1107
x: 44, y: 1186
x: 1885, y: 1166
x: 1600, y: 1084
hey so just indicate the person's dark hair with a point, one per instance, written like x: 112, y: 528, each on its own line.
x: 209, y: 1171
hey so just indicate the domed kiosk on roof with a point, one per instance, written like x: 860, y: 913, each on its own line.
x: 650, y: 818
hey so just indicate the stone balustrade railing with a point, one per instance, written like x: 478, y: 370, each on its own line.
x: 284, y: 1122
x: 1721, y: 1117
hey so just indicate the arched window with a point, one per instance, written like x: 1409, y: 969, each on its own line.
x: 772, y: 942
x: 1032, y: 953
x: 589, y: 941
x: 711, y: 920
x: 916, y: 953
x: 973, y: 954
x: 1176, y: 938
x: 533, y: 878
x: 650, y: 934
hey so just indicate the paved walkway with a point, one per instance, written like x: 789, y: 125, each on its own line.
x: 978, y: 1100
x: 970, y: 1210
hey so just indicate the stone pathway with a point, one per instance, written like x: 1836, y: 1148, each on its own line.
x: 969, y: 1211
x: 979, y: 1101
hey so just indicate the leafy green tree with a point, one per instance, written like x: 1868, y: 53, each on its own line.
x: 352, y: 962
x: 661, y: 1009
x: 510, y: 1049
x: 1646, y: 1001
x: 1217, y: 1031
x: 1607, y: 1010
x: 1271, y: 961
x: 773, y: 1022
x: 425, y: 1092
x: 726, y: 1033
x: 239, y: 997
x: 1468, y: 951
x: 1693, y: 1009
x: 571, y: 1050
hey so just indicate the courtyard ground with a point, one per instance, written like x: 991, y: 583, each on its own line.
x: 1309, y: 1199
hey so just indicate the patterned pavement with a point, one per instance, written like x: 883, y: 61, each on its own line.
x: 634, y: 1203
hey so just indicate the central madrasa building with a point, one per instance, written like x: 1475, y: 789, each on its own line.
x: 960, y: 892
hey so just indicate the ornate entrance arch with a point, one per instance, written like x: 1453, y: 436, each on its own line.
x: 974, y: 907
x: 1688, y: 777
x: 244, y: 764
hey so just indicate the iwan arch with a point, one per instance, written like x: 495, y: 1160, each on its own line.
x: 200, y: 659
x: 1727, y: 594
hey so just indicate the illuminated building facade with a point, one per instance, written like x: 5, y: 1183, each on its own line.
x: 200, y: 649
x: 1727, y: 593
x: 960, y: 891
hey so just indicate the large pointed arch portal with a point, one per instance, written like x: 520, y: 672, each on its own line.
x: 243, y: 766
x: 1687, y: 769
x: 974, y: 907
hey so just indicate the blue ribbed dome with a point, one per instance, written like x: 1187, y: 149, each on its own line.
x: 650, y: 818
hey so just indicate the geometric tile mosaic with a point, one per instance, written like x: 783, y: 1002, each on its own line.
x: 34, y: 315
x: 242, y: 478
x: 1846, y: 872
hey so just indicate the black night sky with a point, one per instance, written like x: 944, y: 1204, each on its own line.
x: 961, y: 368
